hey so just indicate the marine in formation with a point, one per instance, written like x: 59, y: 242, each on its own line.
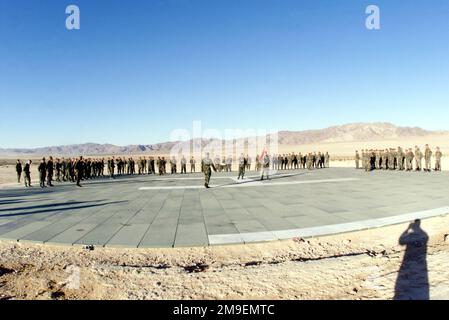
x: 399, y: 159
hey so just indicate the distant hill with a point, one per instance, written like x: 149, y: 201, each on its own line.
x: 342, y: 133
x: 350, y: 132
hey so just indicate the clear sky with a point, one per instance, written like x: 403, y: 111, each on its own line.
x: 138, y: 69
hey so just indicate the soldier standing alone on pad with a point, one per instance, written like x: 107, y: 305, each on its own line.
x: 207, y: 164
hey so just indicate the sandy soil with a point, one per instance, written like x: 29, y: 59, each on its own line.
x: 359, y: 265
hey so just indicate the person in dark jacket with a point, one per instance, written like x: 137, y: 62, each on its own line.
x: 27, y: 173
x: 79, y: 168
x: 19, y: 170
x: 50, y: 169
x: 42, y: 172
x: 58, y: 167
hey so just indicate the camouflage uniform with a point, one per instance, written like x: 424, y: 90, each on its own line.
x: 159, y: 166
x: 409, y: 159
x: 427, y: 159
x: 217, y: 163
x: 207, y: 164
x: 377, y: 162
x: 326, y: 160
x: 368, y: 160
x: 438, y: 156
x: 393, y: 159
x: 384, y: 159
x: 401, y: 157
x: 265, y: 166
x: 309, y: 161
x: 229, y: 164
x: 27, y: 173
x: 390, y: 159
x: 363, y: 159
x: 192, y: 165
x: 241, y: 167
x: 418, y: 159
x: 139, y: 166
x: 173, y: 165
x: 183, y: 165
x: 257, y: 163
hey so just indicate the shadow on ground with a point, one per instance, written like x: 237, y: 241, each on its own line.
x: 54, y: 207
x: 412, y: 282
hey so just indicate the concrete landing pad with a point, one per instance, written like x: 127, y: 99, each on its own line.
x: 167, y: 211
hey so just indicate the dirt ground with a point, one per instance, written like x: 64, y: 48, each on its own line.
x: 360, y: 265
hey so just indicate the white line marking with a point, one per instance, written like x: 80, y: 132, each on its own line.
x: 251, y: 183
x: 187, y: 178
x: 175, y: 187
x: 325, y: 230
x: 234, y: 178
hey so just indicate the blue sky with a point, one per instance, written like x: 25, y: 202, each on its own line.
x: 136, y: 70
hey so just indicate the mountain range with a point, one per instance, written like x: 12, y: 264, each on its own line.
x: 342, y: 133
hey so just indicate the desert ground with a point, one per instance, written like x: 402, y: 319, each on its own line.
x: 360, y: 265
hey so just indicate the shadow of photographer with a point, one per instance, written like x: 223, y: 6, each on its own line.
x: 412, y: 282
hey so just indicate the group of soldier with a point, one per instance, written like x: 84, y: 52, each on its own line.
x: 278, y: 161
x: 79, y: 169
x: 399, y: 159
x: 299, y: 161
x: 59, y: 170
x: 264, y: 162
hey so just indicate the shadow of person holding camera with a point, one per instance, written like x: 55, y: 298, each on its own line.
x: 412, y: 282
